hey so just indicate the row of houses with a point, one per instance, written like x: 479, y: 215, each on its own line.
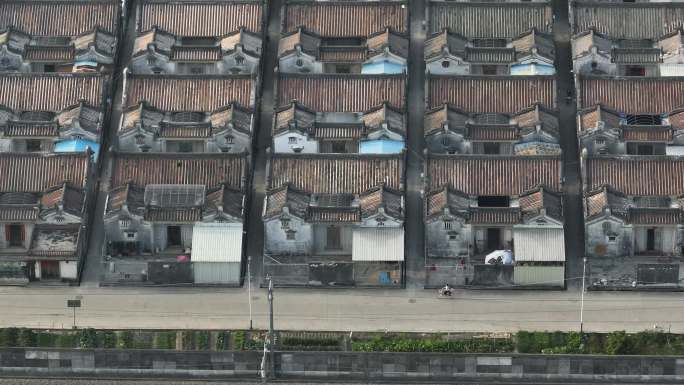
x: 151, y: 108
x: 627, y: 63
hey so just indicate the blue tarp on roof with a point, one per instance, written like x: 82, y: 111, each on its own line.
x: 382, y: 146
x: 77, y: 145
x: 384, y: 67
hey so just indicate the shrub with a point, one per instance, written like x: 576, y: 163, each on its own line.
x: 239, y: 340
x: 202, y: 340
x: 222, y: 340
x: 108, y: 339
x: 164, y: 340
x: 66, y: 340
x: 87, y: 339
x: 618, y: 343
x: 9, y: 337
x: 27, y: 338
x: 46, y: 339
x: 125, y: 340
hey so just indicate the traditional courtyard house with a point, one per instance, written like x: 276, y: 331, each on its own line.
x: 463, y: 118
x: 52, y: 112
x: 58, y: 36
x: 632, y: 116
x: 367, y: 37
x: 531, y: 131
x: 190, y: 113
x: 348, y: 113
x: 634, y: 220
x: 334, y: 220
x: 175, y: 219
x: 627, y: 39
x: 510, y: 38
x: 197, y: 37
x: 494, y: 220
x: 45, y: 204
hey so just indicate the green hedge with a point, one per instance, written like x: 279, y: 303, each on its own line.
x: 616, y: 343
x: 475, y: 345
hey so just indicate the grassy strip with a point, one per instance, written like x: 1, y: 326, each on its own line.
x: 616, y: 343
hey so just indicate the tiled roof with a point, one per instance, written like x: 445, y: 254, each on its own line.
x: 230, y: 200
x: 384, y: 114
x: 285, y: 195
x: 647, y: 95
x: 494, y: 215
x: 293, y: 114
x: 655, y: 216
x: 532, y: 202
x: 647, y: 133
x: 333, y: 214
x: 342, y: 93
x: 189, y: 93
x: 437, y: 117
x: 345, y: 19
x: 21, y: 129
x: 174, y: 168
x: 173, y: 215
x: 491, y: 132
x: 58, y: 91
x: 605, y: 197
x: 643, y: 20
x: 505, y: 94
x: 336, y: 174
x: 127, y: 194
x: 493, y: 175
x: 643, y: 175
x: 60, y: 18
x: 590, y: 117
x: 27, y: 172
x: 70, y: 198
x: 446, y: 197
x: 435, y: 44
x: 198, y: 18
x: 382, y: 197
x: 489, y: 20
x: 19, y: 213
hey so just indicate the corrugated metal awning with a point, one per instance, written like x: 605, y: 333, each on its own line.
x: 538, y: 244
x: 378, y: 244
x: 217, y: 242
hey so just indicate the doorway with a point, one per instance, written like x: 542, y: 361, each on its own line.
x: 49, y: 269
x: 650, y: 240
x: 493, y: 238
x: 173, y: 236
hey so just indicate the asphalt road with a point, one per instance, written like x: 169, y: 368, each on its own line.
x: 342, y: 310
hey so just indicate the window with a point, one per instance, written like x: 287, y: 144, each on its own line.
x: 446, y: 64
x: 338, y: 147
x: 299, y: 62
x: 130, y: 235
x: 239, y: 60
x: 49, y: 68
x: 33, y: 145
x: 612, y: 238
x: 124, y: 223
x: 333, y: 238
x: 650, y: 239
x: 644, y: 120
x: 292, y: 140
x: 343, y: 69
x: 197, y: 70
x: 453, y: 236
x: 230, y: 139
x: 185, y: 147
x: 600, y: 141
x: 594, y: 65
x: 490, y: 148
x: 493, y: 201
x: 380, y: 221
x: 15, y: 235
x: 635, y: 71
x: 290, y: 235
x: 488, y: 70
x: 285, y: 223
x: 447, y: 225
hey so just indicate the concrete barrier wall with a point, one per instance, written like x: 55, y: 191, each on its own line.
x: 346, y: 366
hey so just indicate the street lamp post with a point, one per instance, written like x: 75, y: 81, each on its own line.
x: 271, y: 333
x: 249, y: 289
x: 584, y: 272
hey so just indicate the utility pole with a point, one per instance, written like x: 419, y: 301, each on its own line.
x: 584, y: 273
x: 249, y: 289
x: 271, y: 333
